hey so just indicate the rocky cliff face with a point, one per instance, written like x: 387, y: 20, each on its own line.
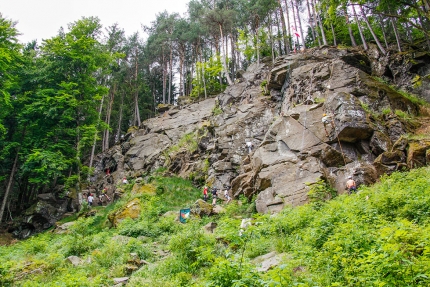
x: 278, y: 107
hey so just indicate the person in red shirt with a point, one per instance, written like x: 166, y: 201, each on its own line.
x: 205, y: 193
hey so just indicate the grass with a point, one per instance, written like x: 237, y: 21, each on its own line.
x: 378, y: 237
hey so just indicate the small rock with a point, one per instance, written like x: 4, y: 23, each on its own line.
x: 210, y: 227
x: 75, y: 260
x: 121, y: 239
x: 120, y: 280
x: 268, y: 261
x: 63, y: 228
x: 130, y: 268
x: 218, y: 209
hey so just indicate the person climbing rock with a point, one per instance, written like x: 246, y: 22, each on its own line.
x: 250, y: 146
x: 214, y: 196
x: 227, y: 196
x: 124, y: 180
x: 103, y: 194
x: 351, y: 185
x: 205, y: 193
x: 327, y: 119
x: 90, y: 199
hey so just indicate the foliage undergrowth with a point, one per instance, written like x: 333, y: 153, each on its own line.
x: 377, y: 237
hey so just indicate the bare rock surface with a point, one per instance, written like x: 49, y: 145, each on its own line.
x: 278, y: 108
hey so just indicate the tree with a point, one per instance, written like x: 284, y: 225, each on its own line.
x: 9, y: 62
x: 223, y: 19
x: 10, y: 58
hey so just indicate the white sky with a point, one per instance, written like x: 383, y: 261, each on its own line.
x: 41, y: 19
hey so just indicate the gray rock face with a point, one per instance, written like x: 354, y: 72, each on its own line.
x: 293, y: 148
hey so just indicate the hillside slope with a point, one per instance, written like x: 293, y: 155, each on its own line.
x: 378, y: 237
x: 278, y: 107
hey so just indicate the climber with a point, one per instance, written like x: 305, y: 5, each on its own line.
x: 326, y: 119
x: 351, y: 185
x: 250, y: 146
x: 214, y: 196
x: 104, y: 194
x: 90, y: 199
x: 227, y: 196
x: 205, y: 193
x: 124, y: 180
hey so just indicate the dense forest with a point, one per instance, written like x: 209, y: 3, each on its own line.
x: 74, y: 95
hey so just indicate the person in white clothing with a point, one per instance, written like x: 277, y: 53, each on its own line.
x: 327, y: 119
x: 227, y: 196
x: 90, y: 200
x: 249, y: 145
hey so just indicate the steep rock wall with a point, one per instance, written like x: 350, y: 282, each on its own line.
x: 278, y: 107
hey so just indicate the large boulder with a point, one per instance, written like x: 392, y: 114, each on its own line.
x: 130, y: 210
x: 201, y: 207
x: 418, y: 153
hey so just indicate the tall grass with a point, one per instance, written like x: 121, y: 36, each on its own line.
x: 378, y: 237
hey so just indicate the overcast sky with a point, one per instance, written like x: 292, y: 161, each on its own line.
x: 41, y: 19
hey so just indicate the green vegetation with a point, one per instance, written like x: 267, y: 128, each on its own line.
x: 414, y: 99
x: 378, y: 237
x: 206, y: 81
x: 321, y: 192
x: 189, y: 143
x: 217, y: 109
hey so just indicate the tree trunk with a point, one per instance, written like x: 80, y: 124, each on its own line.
x: 118, y: 133
x: 295, y: 26
x: 164, y: 75
x: 203, y: 77
x: 371, y: 31
x: 258, y: 45
x: 348, y: 23
x: 271, y: 38
x: 284, y: 29
x: 334, y: 35
x: 321, y: 27
x: 9, y: 184
x: 408, y: 31
x: 181, y: 67
x: 279, y: 37
x: 300, y: 24
x: 224, y: 61
x: 315, y: 20
x: 136, y: 95
x: 233, y: 56
x: 93, y: 149
x: 381, y: 24
x: 108, y: 116
x: 396, y: 33
x: 169, y: 99
x: 310, y: 21
x: 288, y: 25
x: 359, y: 29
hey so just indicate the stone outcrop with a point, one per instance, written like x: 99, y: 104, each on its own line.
x: 278, y: 107
x: 130, y: 210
